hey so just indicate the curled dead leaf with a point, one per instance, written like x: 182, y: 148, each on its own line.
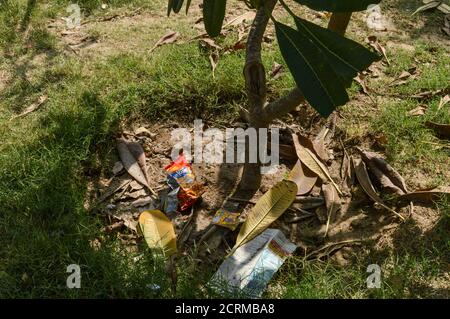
x: 133, y: 159
x: 386, y: 175
x: 169, y: 37
x: 373, y: 42
x: 311, y: 161
x: 366, y: 184
x: 303, y: 177
x: 418, y: 111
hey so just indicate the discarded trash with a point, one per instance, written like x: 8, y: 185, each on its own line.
x: 158, y: 231
x: 226, y: 218
x: 153, y: 287
x: 170, y: 201
x: 180, y: 176
x: 253, y: 264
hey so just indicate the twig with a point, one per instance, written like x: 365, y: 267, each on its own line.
x: 299, y: 218
x: 331, y: 245
x: 104, y: 197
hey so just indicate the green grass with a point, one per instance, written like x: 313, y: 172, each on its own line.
x: 49, y: 158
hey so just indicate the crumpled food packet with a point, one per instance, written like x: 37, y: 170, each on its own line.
x: 180, y: 175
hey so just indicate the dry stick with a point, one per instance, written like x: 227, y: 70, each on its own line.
x: 104, y: 197
x: 182, y: 236
x: 331, y: 245
x: 300, y: 218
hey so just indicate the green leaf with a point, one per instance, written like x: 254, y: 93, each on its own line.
x: 338, y: 5
x: 311, y: 71
x: 213, y: 15
x: 188, y: 4
x: 345, y: 56
x: 169, y: 7
x: 177, y: 4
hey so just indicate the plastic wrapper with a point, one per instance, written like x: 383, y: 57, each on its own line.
x: 226, y: 218
x: 252, y: 266
x: 181, y: 176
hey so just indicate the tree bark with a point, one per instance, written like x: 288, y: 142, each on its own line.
x: 259, y: 113
x: 255, y: 83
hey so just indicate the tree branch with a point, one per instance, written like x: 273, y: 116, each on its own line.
x: 254, y: 72
x: 285, y: 104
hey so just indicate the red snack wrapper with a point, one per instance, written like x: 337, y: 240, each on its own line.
x: 180, y: 171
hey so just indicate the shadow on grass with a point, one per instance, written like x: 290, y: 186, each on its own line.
x: 429, y: 21
x: 44, y: 224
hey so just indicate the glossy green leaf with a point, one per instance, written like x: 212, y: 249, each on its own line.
x: 169, y: 7
x: 188, y: 4
x: 345, y: 56
x: 176, y: 6
x: 312, y: 73
x: 338, y: 5
x: 213, y: 15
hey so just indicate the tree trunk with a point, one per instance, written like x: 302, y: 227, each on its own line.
x: 259, y: 114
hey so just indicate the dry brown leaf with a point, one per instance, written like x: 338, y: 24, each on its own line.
x: 346, y: 172
x: 418, y: 111
x: 136, y: 194
x: 238, y: 45
x: 133, y: 159
x: 440, y: 129
x: 310, y: 160
x: 210, y: 43
x: 169, y: 37
x: 142, y: 202
x: 444, y: 100
x: 138, y: 152
x: 303, y: 177
x: 446, y: 27
x: 427, y: 6
x: 332, y: 203
x: 142, y: 131
x: 373, y: 42
x: 246, y: 17
x: 388, y: 177
x: 33, y: 107
x: 366, y: 184
x: 319, y: 145
x: 360, y: 80
x: 445, y: 8
x: 277, y: 71
x: 404, y: 77
x: 127, y: 219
